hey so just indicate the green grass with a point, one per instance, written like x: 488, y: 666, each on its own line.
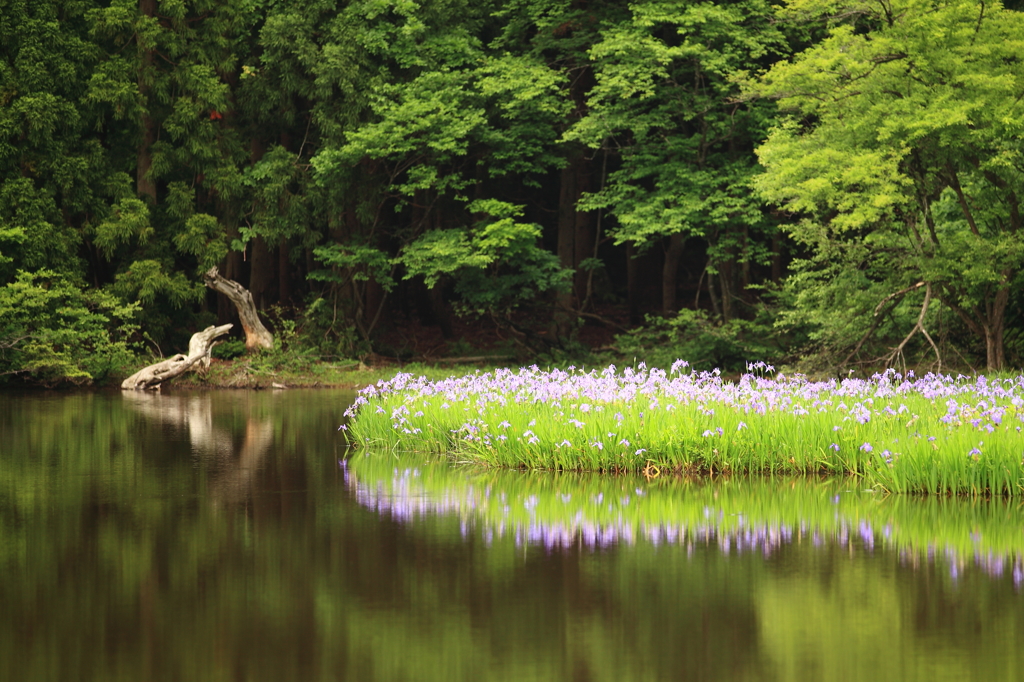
x: 935, y: 434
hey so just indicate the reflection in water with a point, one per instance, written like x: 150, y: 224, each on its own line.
x: 233, y: 466
x: 595, y: 512
x: 214, y: 537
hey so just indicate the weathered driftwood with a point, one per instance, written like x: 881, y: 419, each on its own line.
x: 256, y: 335
x: 198, y: 353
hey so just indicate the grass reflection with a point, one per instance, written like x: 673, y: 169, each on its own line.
x: 214, y: 537
x: 736, y: 515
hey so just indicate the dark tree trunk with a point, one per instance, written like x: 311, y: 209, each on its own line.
x: 995, y: 350
x: 261, y: 272
x: 670, y: 272
x: 725, y: 277
x: 745, y: 265
x: 632, y: 285
x: 987, y: 321
x: 716, y: 308
x: 284, y: 280
x: 442, y: 316
x: 776, y: 258
x: 145, y: 186
x: 583, y: 238
x: 568, y: 194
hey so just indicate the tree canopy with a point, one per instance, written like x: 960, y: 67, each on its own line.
x: 834, y: 179
x: 901, y: 143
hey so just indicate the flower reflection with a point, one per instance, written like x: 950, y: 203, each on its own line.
x: 563, y: 521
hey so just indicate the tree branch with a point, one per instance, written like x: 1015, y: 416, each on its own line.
x: 918, y: 327
x: 897, y: 294
x: 954, y: 182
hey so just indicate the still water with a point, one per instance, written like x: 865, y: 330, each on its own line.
x: 228, y: 536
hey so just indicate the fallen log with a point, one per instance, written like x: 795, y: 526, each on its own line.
x: 198, y: 353
x: 256, y: 335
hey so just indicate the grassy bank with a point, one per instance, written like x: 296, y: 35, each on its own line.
x: 932, y: 434
x: 256, y: 373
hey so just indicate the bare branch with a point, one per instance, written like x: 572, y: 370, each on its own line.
x: 897, y: 294
x: 918, y: 327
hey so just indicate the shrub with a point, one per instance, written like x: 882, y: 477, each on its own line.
x: 707, y: 345
x: 53, y: 332
x: 229, y: 350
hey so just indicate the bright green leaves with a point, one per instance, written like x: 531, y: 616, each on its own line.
x: 905, y: 134
x: 497, y: 237
x: 277, y: 186
x: 422, y: 35
x: 430, y: 119
x: 113, y: 83
x: 34, y: 234
x: 443, y: 252
x: 53, y: 330
x: 525, y: 107
x: 665, y: 101
x: 353, y: 263
x: 51, y: 174
x: 506, y: 111
x: 806, y: 173
x: 938, y: 83
x: 203, y: 237
x: 145, y: 280
x: 129, y: 219
x: 496, y: 264
x: 197, y: 234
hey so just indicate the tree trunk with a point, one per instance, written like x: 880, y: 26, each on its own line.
x: 261, y: 272
x: 284, y: 281
x: 632, y: 285
x: 988, y: 321
x: 995, y: 350
x: 670, y: 272
x: 439, y: 311
x: 725, y: 277
x: 198, y: 353
x: 145, y: 186
x: 584, y: 236
x: 776, y: 258
x: 715, y: 307
x: 567, y: 197
x: 256, y: 335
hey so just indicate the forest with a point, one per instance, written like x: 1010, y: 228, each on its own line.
x: 829, y: 185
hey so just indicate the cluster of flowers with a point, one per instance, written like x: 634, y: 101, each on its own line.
x: 514, y: 417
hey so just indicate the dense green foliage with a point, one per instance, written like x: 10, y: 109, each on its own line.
x: 903, y: 131
x: 536, y: 164
x: 58, y: 332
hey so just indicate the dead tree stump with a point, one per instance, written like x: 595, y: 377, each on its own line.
x: 198, y: 353
x: 256, y: 335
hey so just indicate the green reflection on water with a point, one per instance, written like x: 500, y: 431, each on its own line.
x: 741, y: 514
x: 214, y: 537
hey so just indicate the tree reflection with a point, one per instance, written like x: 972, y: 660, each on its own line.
x: 214, y: 536
x: 231, y: 464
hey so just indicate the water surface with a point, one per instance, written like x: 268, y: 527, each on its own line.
x: 214, y: 536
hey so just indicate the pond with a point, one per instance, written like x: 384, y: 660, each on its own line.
x: 229, y: 536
